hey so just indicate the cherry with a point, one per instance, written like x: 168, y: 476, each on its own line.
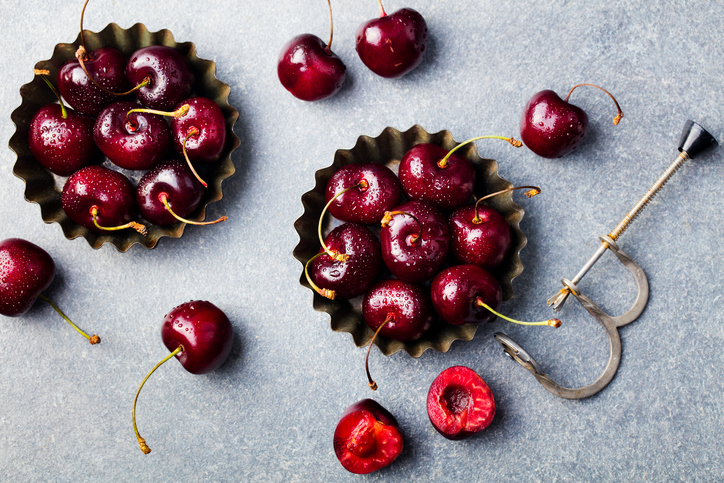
x: 129, y: 138
x: 376, y: 190
x: 367, y: 438
x: 309, y: 69
x: 200, y: 336
x: 169, y: 193
x: 415, y: 241
x: 171, y: 78
x: 460, y: 403
x: 479, y: 234
x: 551, y: 127
x: 26, y: 270
x: 100, y: 199
x: 392, y: 45
x: 60, y: 139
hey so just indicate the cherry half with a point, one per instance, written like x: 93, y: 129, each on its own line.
x: 551, y: 127
x: 376, y: 190
x: 169, y: 74
x: 309, y: 69
x: 367, y: 438
x: 26, y: 270
x: 200, y: 336
x: 460, y: 403
x: 392, y: 45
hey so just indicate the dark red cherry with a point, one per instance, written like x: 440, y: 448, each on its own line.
x: 170, y: 74
x: 392, y: 45
x: 479, y: 236
x: 367, y: 438
x: 60, y: 144
x: 309, y: 69
x: 415, y: 241
x: 375, y: 189
x: 99, y: 190
x: 353, y: 277
x: 138, y: 140
x: 201, y: 130
x: 457, y: 291
x: 425, y: 177
x: 106, y: 65
x: 403, y: 308
x: 26, y: 270
x: 460, y: 403
x: 182, y: 190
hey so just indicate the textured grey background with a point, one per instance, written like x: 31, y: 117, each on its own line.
x: 269, y: 413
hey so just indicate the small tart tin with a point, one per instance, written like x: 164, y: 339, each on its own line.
x: 44, y: 188
x: 388, y: 148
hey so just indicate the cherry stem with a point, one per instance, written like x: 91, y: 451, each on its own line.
x: 372, y: 384
x: 382, y: 9
x: 193, y: 131
x: 340, y: 257
x: 82, y: 36
x: 141, y: 441
x: 444, y: 161
x: 94, y: 339
x: 618, y: 117
x: 387, y: 218
x: 532, y: 191
x: 180, y: 112
x: 324, y: 292
x: 131, y: 224
x: 552, y: 322
x: 44, y: 73
x: 163, y: 198
x: 80, y: 54
x: 328, y: 49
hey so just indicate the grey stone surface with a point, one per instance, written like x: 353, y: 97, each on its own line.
x: 269, y: 413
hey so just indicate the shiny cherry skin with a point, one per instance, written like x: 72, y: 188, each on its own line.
x: 454, y: 292
x: 204, y: 117
x: 171, y: 75
x: 407, y: 306
x: 552, y: 127
x: 367, y: 438
x: 423, y: 178
x: 380, y: 191
x: 136, y: 141
x: 107, y: 66
x: 409, y: 256
x: 460, y: 403
x: 174, y: 179
x: 392, y: 45
x: 355, y: 276
x: 309, y: 69
x: 61, y: 145
x: 204, y: 332
x: 26, y: 270
x: 483, y: 241
x: 110, y: 191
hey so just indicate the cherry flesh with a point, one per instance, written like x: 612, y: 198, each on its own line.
x: 138, y: 140
x: 353, y: 277
x: 107, y: 66
x: 392, y: 45
x: 170, y: 74
x: 367, y: 438
x: 378, y: 190
x: 482, y: 240
x: 460, y: 403
x: 447, y: 185
x: 182, y: 190
x: 400, y: 310
x: 309, y: 69
x: 201, y: 131
x: 415, y: 241
x: 457, y: 291
x: 61, y: 144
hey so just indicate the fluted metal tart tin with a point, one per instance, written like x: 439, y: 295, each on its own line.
x: 388, y: 148
x: 44, y: 188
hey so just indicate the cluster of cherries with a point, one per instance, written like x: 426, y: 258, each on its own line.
x: 390, y: 46
x: 132, y: 134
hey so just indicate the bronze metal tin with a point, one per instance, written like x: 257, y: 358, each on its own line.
x: 389, y: 148
x: 44, y: 188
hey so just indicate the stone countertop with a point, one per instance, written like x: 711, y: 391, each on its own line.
x: 269, y: 413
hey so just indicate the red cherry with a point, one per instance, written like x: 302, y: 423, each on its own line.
x: 375, y: 189
x: 170, y: 74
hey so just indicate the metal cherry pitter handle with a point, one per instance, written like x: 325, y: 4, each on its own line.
x: 695, y: 140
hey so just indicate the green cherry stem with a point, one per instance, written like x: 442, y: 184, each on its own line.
x: 141, y: 441
x: 180, y: 112
x: 340, y: 257
x: 44, y: 73
x: 444, y: 161
x: 94, y: 339
x: 328, y: 49
x: 618, y: 117
x: 532, y: 191
x: 552, y: 322
x: 131, y: 224
x: 387, y: 218
x: 324, y: 292
x: 372, y: 384
x: 163, y: 198
x: 193, y: 131
x: 382, y: 9
x: 81, y: 54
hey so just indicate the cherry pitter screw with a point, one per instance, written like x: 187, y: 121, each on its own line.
x: 695, y: 140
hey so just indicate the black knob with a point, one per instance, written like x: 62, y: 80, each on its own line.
x: 695, y: 140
